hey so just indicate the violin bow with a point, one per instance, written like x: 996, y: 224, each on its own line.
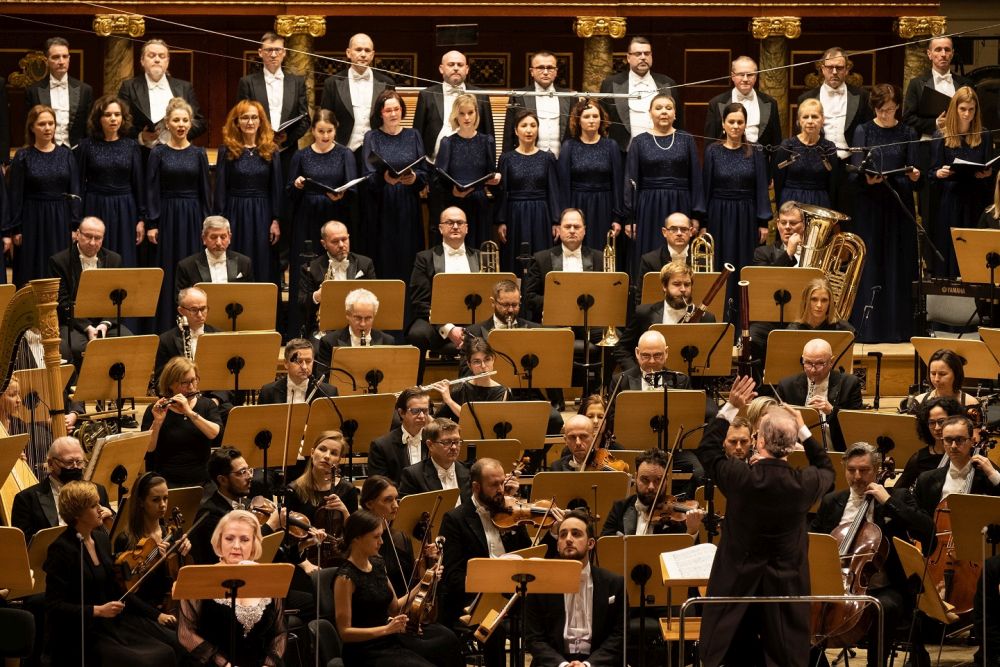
x: 418, y: 557
x: 667, y: 474
x: 163, y: 559
x: 541, y: 524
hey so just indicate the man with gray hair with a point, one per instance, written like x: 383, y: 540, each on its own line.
x: 761, y: 553
x: 217, y: 263
x: 361, y: 307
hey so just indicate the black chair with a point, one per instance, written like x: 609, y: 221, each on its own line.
x: 17, y: 633
x: 325, y: 636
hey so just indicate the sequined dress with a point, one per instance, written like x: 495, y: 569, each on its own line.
x: 805, y: 178
x: 465, y: 160
x: 529, y: 203
x: 112, y: 187
x: 590, y: 179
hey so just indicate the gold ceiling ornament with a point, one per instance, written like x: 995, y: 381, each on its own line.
x: 909, y: 27
x: 106, y: 25
x: 34, y: 68
x: 589, y: 26
x: 762, y: 27
x: 287, y: 25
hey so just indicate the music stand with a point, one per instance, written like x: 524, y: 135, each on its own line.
x: 114, y: 368
x: 10, y: 453
x: 36, y: 381
x: 699, y: 350
x: 501, y: 575
x: 269, y: 545
x: 127, y: 450
x: 799, y: 460
x: 256, y: 429
x: 981, y: 362
x: 978, y: 255
x: 390, y: 295
x: 15, y: 571
x: 490, y: 603
x: 373, y: 369
x: 360, y: 418
x: 464, y: 298
x: 643, y: 426
x: 775, y: 290
x: 882, y: 429
x: 811, y: 418
x: 974, y: 523
x: 412, y: 509
x: 587, y: 299
x: 242, y: 358
x: 38, y: 552
x: 212, y: 582
x: 241, y: 306
x: 652, y: 291
x: 600, y: 489
x: 784, y: 352
x: 118, y: 293
x: 502, y: 450
x: 824, y: 565
x: 538, y: 357
x: 518, y: 420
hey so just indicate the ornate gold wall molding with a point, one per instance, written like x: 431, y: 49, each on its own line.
x: 774, y: 33
x: 590, y: 26
x: 287, y: 25
x: 909, y: 27
x: 789, y: 27
x: 597, y: 33
x: 33, y: 68
x: 106, y: 25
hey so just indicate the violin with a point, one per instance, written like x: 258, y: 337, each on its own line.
x: 423, y: 603
x: 300, y: 528
x: 517, y: 512
x: 133, y: 564
x: 262, y: 508
x: 671, y: 510
x: 603, y: 459
x: 332, y: 522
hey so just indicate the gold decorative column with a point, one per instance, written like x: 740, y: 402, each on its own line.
x: 774, y: 33
x: 119, y: 53
x: 299, y: 32
x: 915, y: 60
x: 597, y: 33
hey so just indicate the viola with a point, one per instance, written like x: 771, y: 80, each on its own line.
x: 517, y: 512
x: 262, y: 508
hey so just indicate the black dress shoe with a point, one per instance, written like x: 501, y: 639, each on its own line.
x: 918, y: 658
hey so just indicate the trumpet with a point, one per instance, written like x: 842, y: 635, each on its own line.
x: 703, y: 253
x: 489, y: 257
x: 610, y: 338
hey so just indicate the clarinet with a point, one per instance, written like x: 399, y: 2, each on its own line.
x: 186, y: 340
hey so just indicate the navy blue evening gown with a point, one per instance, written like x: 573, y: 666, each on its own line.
x: 466, y: 160
x: 111, y: 184
x: 529, y: 203
x: 591, y: 179
x: 806, y: 180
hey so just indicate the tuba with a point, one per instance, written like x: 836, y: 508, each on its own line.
x: 703, y: 253
x: 489, y: 257
x: 610, y: 338
x: 839, y: 255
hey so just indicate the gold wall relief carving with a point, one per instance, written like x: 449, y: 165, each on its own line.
x: 774, y: 33
x: 288, y: 25
x: 597, y: 33
x: 119, y: 50
x: 33, y: 68
x: 915, y: 62
x: 106, y: 25
x: 789, y: 27
x: 591, y: 26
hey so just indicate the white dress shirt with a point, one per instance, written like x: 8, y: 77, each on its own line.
x: 854, y: 503
x: 412, y: 443
x: 493, y: 541
x: 456, y: 260
x: 943, y: 83
x: 450, y: 93
x: 356, y: 340
x: 159, y: 96
x: 296, y: 392
x: 275, y: 84
x: 361, y: 89
x: 33, y: 339
x: 59, y: 98
x: 87, y: 263
x: 638, y: 108
x: 642, y: 516
x: 579, y: 606
x: 572, y: 259
x: 752, y: 104
x: 820, y: 389
x: 958, y: 480
x: 835, y: 116
x: 548, y: 112
x: 500, y: 324
x: 217, y: 267
x: 672, y: 315
x: 676, y: 256
x: 195, y: 335
x: 56, y: 488
x: 449, y: 479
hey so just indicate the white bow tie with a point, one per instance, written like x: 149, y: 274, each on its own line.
x: 960, y: 475
x: 938, y: 78
x: 572, y: 254
x: 53, y: 84
x: 447, y: 475
x: 837, y: 91
x: 744, y: 98
x: 217, y: 262
x: 277, y: 76
x: 159, y: 85
x: 456, y: 253
x: 340, y: 264
x: 361, y: 77
x: 453, y: 90
x: 411, y: 439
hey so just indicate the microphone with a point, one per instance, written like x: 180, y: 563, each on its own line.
x: 865, y: 163
x: 71, y: 197
x: 791, y: 160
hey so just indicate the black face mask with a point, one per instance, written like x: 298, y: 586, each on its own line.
x: 67, y: 475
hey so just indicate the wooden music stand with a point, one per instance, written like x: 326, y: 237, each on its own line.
x: 505, y: 450
x: 186, y: 498
x: 824, y: 565
x: 464, y: 298
x: 116, y: 368
x: 645, y: 408
x: 127, y: 450
x: 981, y: 362
x: 775, y: 291
x: 811, y: 418
x: 882, y: 429
x: 212, y: 582
x: 494, y: 602
x: 798, y: 460
x: 235, y: 361
x: 391, y: 295
x: 269, y: 545
x: 15, y: 571
x: 642, y: 550
x: 261, y: 431
x: 376, y: 369
x: 585, y: 298
x: 10, y: 453
x: 118, y: 293
x: 360, y: 418
x: 599, y: 489
x: 531, y: 358
x: 975, y: 250
x: 784, y: 352
x: 652, y: 291
x: 699, y: 350
x: 412, y: 508
x: 241, y: 306
x: 520, y: 420
x: 628, y: 456
x: 38, y: 552
x: 970, y: 514
x: 914, y: 566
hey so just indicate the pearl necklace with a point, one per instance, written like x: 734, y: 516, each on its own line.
x: 673, y: 136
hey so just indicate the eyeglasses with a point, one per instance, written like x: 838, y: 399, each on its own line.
x: 508, y: 305
x: 546, y: 68
x: 453, y: 223
x: 274, y: 50
x: 451, y: 443
x: 835, y: 68
x: 678, y: 230
x: 640, y: 54
x: 243, y: 472
x: 955, y: 439
x: 71, y: 463
x: 91, y: 237
x: 197, y: 310
x: 936, y: 423
x: 656, y: 356
x: 815, y: 365
x: 416, y: 412
x: 188, y: 383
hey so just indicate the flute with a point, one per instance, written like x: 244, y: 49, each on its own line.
x: 428, y: 387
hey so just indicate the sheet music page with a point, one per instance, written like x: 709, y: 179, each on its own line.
x: 690, y: 563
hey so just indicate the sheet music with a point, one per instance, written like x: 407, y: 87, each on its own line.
x: 690, y: 563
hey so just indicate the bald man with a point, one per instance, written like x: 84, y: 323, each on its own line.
x: 351, y: 96
x: 336, y: 242
x: 819, y: 386
x: 435, y: 102
x: 578, y: 434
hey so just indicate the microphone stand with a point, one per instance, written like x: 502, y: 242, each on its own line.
x: 878, y: 377
x: 347, y: 426
x: 868, y: 309
x: 83, y: 608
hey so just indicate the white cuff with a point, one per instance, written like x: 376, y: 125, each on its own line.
x: 728, y: 412
x: 994, y: 476
x: 445, y: 329
x: 804, y: 433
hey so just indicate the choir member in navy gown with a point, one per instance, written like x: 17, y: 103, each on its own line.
x: 962, y: 194
x: 177, y: 202
x: 248, y: 186
x: 466, y: 156
x: 806, y: 165
x: 662, y: 176
x: 393, y: 203
x: 888, y: 231
x: 590, y: 172
x: 528, y: 211
x: 330, y: 164
x: 44, y: 205
x: 111, y: 178
x: 736, y: 191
